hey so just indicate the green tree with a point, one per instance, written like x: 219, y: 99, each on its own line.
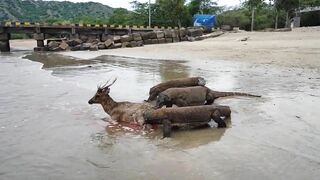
x: 174, y: 11
x: 203, y: 7
x: 253, y: 5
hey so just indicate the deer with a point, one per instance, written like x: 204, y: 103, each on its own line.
x: 127, y: 112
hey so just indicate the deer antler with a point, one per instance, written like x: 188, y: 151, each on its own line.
x: 115, y: 79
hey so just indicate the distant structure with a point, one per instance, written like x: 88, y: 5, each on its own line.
x: 296, y: 21
x: 206, y: 21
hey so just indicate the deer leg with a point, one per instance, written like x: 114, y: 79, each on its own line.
x: 216, y: 116
x: 166, y: 128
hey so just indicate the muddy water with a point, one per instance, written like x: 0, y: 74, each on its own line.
x: 48, y: 131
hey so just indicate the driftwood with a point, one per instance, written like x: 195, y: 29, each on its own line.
x: 187, y: 115
x: 191, y: 96
x: 184, y: 82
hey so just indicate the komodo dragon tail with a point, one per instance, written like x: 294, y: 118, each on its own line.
x: 218, y: 94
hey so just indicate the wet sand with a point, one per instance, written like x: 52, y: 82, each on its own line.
x: 47, y: 129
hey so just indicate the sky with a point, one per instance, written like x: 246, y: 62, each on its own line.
x: 126, y: 3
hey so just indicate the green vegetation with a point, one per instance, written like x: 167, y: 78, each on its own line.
x: 257, y: 14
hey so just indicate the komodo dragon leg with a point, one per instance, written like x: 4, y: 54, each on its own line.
x: 166, y: 128
x: 216, y: 116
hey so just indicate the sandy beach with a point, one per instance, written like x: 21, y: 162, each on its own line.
x: 300, y: 47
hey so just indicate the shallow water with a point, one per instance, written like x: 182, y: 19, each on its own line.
x: 48, y: 130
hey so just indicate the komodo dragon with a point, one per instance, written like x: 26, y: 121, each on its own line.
x: 183, y: 82
x: 192, y: 96
x: 187, y: 115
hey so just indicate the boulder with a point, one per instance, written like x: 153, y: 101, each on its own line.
x: 168, y: 33
x: 191, y: 39
x: 101, y: 45
x: 162, y: 41
x: 53, y: 44
x: 125, y: 44
x: 184, y: 38
x: 149, y: 35
x: 148, y: 41
x: 117, y: 45
x: 169, y: 40
x: 154, y: 41
x: 93, y: 47
x: 133, y: 44
x: 64, y: 46
x: 116, y: 39
x: 83, y: 38
x: 126, y: 38
x: 136, y: 37
x: 85, y: 46
x: 93, y: 41
x: 76, y: 48
x: 195, y: 32
x: 175, y: 39
x: 160, y: 34
x: 73, y: 42
x: 175, y: 33
x: 139, y: 43
x: 182, y: 33
x: 108, y: 43
x: 105, y: 37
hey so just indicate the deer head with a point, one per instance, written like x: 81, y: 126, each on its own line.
x: 102, y: 94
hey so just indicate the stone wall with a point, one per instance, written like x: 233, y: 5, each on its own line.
x: 92, y: 42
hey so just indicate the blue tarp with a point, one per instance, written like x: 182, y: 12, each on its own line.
x: 204, y: 20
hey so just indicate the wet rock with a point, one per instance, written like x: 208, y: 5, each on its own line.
x: 108, y: 43
x: 126, y: 38
x: 64, y: 46
x: 101, y: 45
x: 136, y: 37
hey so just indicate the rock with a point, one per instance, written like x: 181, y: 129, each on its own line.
x: 56, y: 49
x: 116, y: 39
x: 175, y: 39
x: 226, y: 28
x: 169, y: 40
x: 139, y: 43
x: 168, y: 33
x: 162, y: 40
x: 126, y: 38
x: 93, y: 41
x: 244, y: 39
x: 117, y: 45
x: 83, y: 38
x: 73, y: 42
x: 76, y: 48
x: 199, y: 38
x: 93, y: 47
x: 195, y: 32
x: 191, y: 39
x: 125, y: 44
x: 101, y: 45
x: 148, y: 35
x: 184, y: 38
x: 154, y: 41
x: 105, y: 37
x: 182, y: 33
x: 53, y: 44
x: 136, y: 37
x: 108, y: 43
x: 132, y: 44
x: 85, y: 46
x: 160, y: 34
x: 175, y: 33
x: 64, y: 46
x: 148, y: 41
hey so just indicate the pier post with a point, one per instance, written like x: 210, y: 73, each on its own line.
x: 4, y: 42
x: 40, y: 41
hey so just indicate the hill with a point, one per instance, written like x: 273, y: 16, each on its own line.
x: 36, y: 11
